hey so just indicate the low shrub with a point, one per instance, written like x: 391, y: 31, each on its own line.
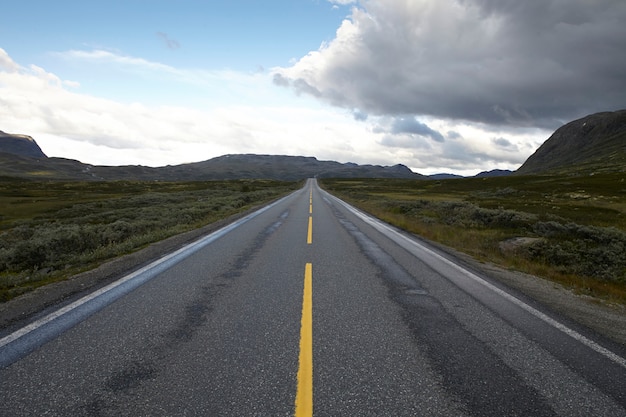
x: 582, y: 245
x: 463, y: 214
x: 590, y: 251
x: 87, y: 230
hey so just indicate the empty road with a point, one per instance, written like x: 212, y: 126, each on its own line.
x: 307, y: 307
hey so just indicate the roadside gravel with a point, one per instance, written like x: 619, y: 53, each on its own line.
x: 607, y: 320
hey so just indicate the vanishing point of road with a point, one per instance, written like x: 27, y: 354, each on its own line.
x: 307, y: 307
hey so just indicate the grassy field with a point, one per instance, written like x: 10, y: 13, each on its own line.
x: 51, y: 230
x: 568, y: 229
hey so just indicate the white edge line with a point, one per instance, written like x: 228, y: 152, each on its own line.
x: 64, y: 310
x: 382, y: 227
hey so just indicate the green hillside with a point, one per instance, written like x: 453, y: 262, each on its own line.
x: 591, y: 145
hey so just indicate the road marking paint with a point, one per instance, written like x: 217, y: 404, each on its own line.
x: 309, y: 235
x: 310, y: 208
x: 147, y: 271
x: 410, y: 244
x: 304, y: 393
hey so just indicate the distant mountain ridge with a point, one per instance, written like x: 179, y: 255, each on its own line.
x: 592, y: 144
x: 494, y: 173
x: 21, y: 157
x: 296, y: 167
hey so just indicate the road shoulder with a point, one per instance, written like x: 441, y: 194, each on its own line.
x: 607, y: 320
x: 27, y: 305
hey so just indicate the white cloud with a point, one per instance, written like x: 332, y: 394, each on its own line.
x: 468, y: 85
x: 100, y: 55
x: 102, y: 131
x: 508, y: 62
x: 6, y: 63
x: 342, y: 2
x: 123, y: 63
x: 246, y: 113
x: 127, y: 78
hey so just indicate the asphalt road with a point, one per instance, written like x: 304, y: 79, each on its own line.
x: 308, y: 307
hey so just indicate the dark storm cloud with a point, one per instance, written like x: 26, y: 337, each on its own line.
x: 412, y: 126
x: 503, y: 143
x: 405, y: 131
x: 359, y: 115
x: 501, y: 62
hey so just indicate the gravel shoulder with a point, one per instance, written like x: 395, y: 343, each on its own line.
x: 607, y: 320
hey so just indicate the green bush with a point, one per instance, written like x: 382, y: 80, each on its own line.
x: 463, y: 214
x: 591, y: 251
x: 582, y: 243
x: 97, y: 221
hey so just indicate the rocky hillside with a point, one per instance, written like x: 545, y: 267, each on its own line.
x: 21, y: 145
x: 593, y: 144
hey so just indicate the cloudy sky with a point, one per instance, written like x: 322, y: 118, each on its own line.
x: 456, y: 86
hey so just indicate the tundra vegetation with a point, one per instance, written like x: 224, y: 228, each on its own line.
x: 51, y: 230
x: 569, y: 229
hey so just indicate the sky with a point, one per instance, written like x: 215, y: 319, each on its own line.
x: 454, y: 86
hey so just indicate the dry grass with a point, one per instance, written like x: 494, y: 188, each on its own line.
x: 51, y: 230
x: 579, y: 223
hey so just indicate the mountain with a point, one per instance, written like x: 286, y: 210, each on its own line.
x: 21, y: 157
x: 593, y: 144
x: 494, y: 173
x: 294, y: 168
x: 444, y: 176
x: 21, y: 145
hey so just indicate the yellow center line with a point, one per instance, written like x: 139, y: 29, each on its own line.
x: 309, y: 236
x: 304, y: 393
